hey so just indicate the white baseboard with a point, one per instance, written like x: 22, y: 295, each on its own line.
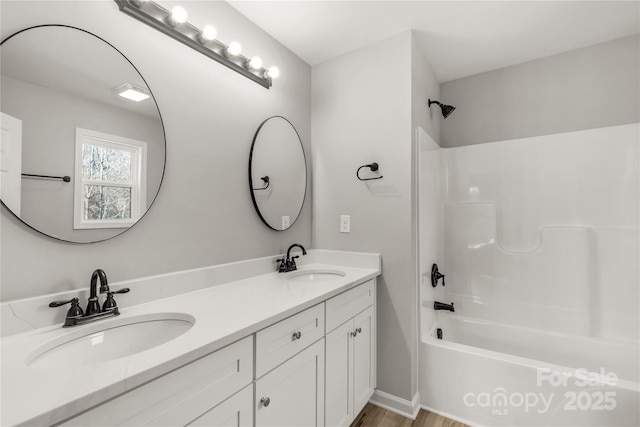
x: 408, y: 409
x: 450, y: 416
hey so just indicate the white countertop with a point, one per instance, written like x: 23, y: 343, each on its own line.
x: 223, y: 314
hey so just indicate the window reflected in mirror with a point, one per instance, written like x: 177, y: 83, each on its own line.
x: 112, y: 190
x: 57, y: 82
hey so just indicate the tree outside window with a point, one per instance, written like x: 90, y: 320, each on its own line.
x: 110, y: 193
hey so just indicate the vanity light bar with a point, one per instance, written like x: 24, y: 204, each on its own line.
x: 164, y: 21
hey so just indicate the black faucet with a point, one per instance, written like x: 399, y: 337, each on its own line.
x: 93, y: 306
x: 289, y: 263
x: 442, y: 306
x: 75, y: 315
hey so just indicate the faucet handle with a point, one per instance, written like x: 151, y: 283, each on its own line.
x: 283, y: 266
x: 61, y: 303
x: 110, y: 302
x: 436, y: 275
x: 293, y: 265
x: 74, y: 311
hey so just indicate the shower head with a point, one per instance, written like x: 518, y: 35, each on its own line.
x: 446, y: 109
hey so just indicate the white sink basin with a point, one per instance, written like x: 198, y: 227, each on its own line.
x: 315, y: 275
x: 109, y: 340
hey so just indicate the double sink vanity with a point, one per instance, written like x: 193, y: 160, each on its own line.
x: 254, y: 342
x: 237, y: 344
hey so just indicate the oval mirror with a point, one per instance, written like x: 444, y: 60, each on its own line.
x: 277, y: 173
x: 80, y: 161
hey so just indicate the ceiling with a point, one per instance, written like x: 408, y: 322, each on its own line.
x: 459, y: 38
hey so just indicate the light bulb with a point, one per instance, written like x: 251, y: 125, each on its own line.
x: 208, y: 33
x: 138, y: 3
x: 178, y: 16
x: 272, y: 72
x: 255, y: 63
x: 233, y: 49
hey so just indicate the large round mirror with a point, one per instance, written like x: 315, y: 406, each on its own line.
x: 83, y: 144
x: 277, y: 173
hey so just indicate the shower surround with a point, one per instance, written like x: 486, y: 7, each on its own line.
x: 539, y: 243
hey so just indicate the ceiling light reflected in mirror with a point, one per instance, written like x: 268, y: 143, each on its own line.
x: 131, y: 92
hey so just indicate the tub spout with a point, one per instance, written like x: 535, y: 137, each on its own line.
x: 442, y: 306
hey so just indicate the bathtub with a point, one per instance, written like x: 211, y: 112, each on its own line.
x: 491, y: 374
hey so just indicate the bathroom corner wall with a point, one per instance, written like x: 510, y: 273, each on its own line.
x: 587, y: 88
x: 425, y: 222
x: 362, y: 115
x: 203, y: 215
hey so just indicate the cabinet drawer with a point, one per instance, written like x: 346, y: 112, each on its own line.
x: 180, y: 396
x: 279, y: 342
x: 346, y: 305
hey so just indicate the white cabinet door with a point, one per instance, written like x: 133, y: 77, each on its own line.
x: 363, y: 359
x: 293, y: 393
x: 339, y: 369
x: 237, y: 411
x: 350, y: 378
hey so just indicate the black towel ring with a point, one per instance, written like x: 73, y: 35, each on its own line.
x: 266, y: 181
x: 373, y: 166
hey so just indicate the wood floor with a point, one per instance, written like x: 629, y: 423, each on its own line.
x: 374, y: 416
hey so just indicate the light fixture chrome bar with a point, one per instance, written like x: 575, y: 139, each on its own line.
x: 156, y: 16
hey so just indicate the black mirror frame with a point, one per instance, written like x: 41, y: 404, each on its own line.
x: 251, y: 189
x: 164, y: 137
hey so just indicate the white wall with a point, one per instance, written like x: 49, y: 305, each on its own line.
x: 587, y: 88
x: 424, y: 86
x: 362, y: 115
x: 203, y: 214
